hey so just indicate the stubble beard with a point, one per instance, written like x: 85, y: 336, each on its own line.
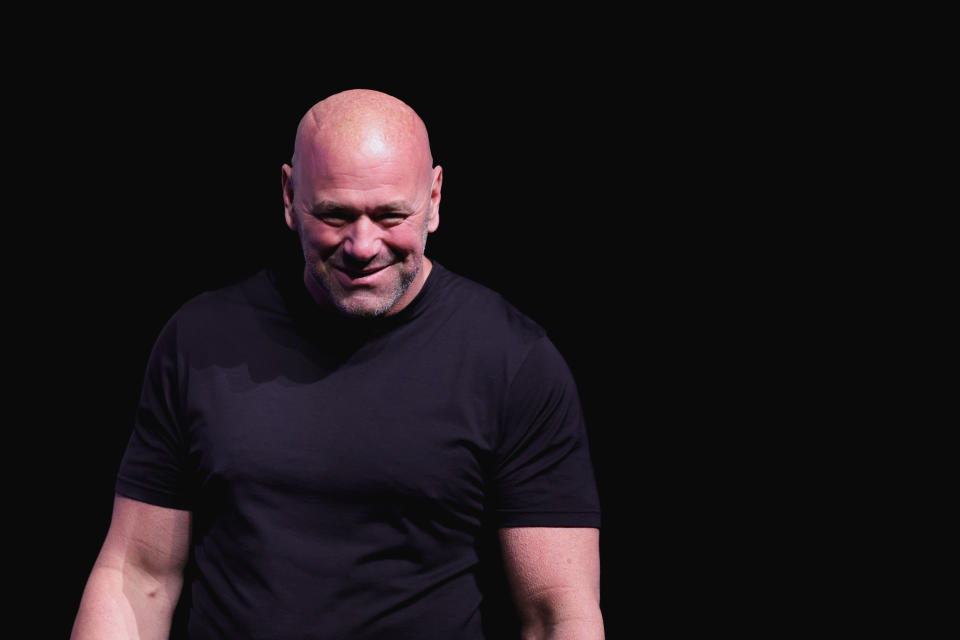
x: 347, y: 306
x: 356, y: 309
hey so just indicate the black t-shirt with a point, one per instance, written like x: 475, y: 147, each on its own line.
x: 340, y: 471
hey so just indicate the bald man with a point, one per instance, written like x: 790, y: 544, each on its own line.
x: 317, y: 453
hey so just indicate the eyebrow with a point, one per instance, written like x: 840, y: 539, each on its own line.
x: 397, y: 206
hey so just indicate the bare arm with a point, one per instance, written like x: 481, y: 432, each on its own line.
x: 136, y: 580
x: 554, y: 576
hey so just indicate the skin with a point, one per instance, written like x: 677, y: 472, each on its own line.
x: 554, y: 578
x: 362, y: 196
x: 135, y: 583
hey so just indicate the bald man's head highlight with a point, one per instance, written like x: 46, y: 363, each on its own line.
x: 362, y: 119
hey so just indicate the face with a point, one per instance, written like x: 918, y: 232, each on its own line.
x: 363, y: 217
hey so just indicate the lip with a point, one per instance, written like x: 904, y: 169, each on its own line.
x: 353, y: 278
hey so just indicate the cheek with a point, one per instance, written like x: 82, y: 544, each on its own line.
x: 321, y: 240
x: 410, y: 240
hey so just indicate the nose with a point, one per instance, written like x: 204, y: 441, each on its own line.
x: 362, y: 240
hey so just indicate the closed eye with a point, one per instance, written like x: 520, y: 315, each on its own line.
x: 332, y: 217
x: 336, y: 214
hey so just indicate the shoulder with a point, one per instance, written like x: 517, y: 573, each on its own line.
x: 494, y: 336
x: 485, y: 311
x: 218, y: 311
x: 244, y: 291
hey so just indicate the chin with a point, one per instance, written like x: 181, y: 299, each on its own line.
x: 362, y: 312
x: 365, y: 303
x: 368, y: 308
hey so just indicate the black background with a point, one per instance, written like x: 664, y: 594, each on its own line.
x: 665, y: 192
x: 576, y: 195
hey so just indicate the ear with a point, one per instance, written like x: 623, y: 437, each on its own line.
x: 434, y: 221
x: 286, y: 182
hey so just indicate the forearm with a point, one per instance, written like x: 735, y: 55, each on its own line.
x: 568, y: 629
x: 560, y: 617
x: 126, y: 604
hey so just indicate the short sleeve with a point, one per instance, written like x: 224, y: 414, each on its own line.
x: 154, y: 465
x: 543, y: 471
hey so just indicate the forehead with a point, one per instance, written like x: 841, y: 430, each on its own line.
x: 364, y: 170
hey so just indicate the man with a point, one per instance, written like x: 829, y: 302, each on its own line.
x: 320, y: 453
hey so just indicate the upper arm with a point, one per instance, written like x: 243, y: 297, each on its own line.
x: 155, y: 540
x: 553, y: 572
x: 542, y: 471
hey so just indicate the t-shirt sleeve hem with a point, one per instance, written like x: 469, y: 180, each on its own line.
x: 547, y: 519
x: 129, y: 489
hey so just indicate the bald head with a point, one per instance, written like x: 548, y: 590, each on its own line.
x: 363, y: 195
x: 362, y: 121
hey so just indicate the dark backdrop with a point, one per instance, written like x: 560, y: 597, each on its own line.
x: 167, y: 184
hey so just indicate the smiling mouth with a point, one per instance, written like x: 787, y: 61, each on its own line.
x: 356, y: 275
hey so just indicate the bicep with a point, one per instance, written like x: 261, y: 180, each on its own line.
x: 552, y: 567
x: 153, y: 539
